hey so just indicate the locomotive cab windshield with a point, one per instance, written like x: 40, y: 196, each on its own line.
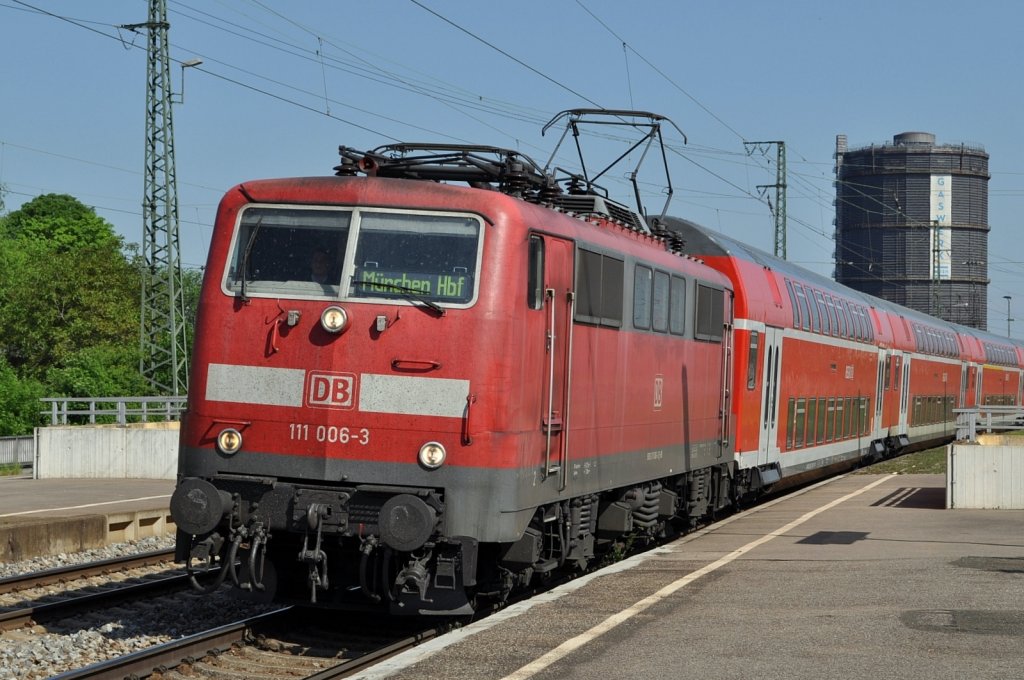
x: 356, y: 254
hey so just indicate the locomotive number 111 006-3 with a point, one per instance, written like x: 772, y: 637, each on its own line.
x: 330, y: 434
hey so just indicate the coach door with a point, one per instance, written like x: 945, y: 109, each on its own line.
x: 879, y: 393
x: 904, y: 387
x: 558, y: 303
x: 768, y: 442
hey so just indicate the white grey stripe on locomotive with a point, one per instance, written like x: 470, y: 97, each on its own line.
x: 402, y: 395
x: 255, y: 384
x: 413, y: 396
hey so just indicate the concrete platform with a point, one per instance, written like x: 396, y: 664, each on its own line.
x: 51, y: 516
x: 863, y: 576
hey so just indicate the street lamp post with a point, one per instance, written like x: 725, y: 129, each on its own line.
x: 1009, y: 319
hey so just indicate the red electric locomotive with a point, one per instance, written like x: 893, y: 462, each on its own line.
x: 441, y: 374
x: 409, y: 394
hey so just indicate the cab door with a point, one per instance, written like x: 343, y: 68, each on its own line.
x: 552, y: 264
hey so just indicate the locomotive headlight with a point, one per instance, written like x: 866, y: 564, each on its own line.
x: 334, y: 319
x: 229, y: 441
x: 432, y: 455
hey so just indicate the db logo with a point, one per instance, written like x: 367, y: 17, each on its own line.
x: 330, y: 390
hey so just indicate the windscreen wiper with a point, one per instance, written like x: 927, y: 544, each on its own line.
x: 245, y: 256
x: 410, y: 293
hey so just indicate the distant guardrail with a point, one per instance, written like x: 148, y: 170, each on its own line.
x: 17, y: 451
x: 969, y: 421
x: 112, y: 410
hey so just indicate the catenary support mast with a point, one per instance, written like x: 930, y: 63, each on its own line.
x: 163, y: 331
x: 779, y: 209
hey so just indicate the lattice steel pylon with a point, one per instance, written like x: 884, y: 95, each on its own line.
x: 779, y: 209
x: 163, y: 333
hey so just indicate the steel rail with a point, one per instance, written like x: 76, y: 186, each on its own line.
x: 50, y: 611
x: 48, y: 577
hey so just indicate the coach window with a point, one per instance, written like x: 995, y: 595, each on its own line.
x: 815, y: 318
x: 804, y: 308
x: 848, y: 321
x: 822, y: 312
x: 840, y: 418
x: 642, y: 279
x: 794, y: 304
x: 888, y: 371
x: 659, y: 303
x: 848, y: 417
x: 832, y: 314
x: 822, y: 418
x: 752, y: 360
x: 790, y: 422
x: 799, y: 423
x: 858, y: 331
x: 831, y: 419
x: 535, y: 275
x: 599, y: 289
x: 709, y: 313
x: 841, y: 318
x: 677, y: 314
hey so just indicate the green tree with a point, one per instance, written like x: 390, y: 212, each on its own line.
x: 100, y: 371
x: 55, y: 303
x: 20, y: 408
x: 69, y: 301
x: 60, y: 221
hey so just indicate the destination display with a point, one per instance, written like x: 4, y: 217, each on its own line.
x: 453, y: 287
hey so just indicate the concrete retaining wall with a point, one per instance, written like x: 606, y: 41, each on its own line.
x: 142, y: 451
x: 985, y: 476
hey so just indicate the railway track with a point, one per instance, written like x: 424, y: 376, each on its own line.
x: 30, y: 598
x: 281, y: 644
x: 48, y: 577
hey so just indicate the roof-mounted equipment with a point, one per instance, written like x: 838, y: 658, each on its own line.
x: 479, y: 166
x: 645, y: 121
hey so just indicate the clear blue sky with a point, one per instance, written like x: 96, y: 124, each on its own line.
x: 284, y: 83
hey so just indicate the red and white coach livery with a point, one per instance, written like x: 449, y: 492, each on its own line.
x: 825, y: 375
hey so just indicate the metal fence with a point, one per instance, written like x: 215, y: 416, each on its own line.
x: 970, y: 421
x: 18, y: 451
x: 112, y: 410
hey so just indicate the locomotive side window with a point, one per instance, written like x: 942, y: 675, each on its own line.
x: 660, y: 302
x: 535, y: 275
x: 709, y: 313
x: 677, y: 315
x: 643, y: 278
x: 599, y: 284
